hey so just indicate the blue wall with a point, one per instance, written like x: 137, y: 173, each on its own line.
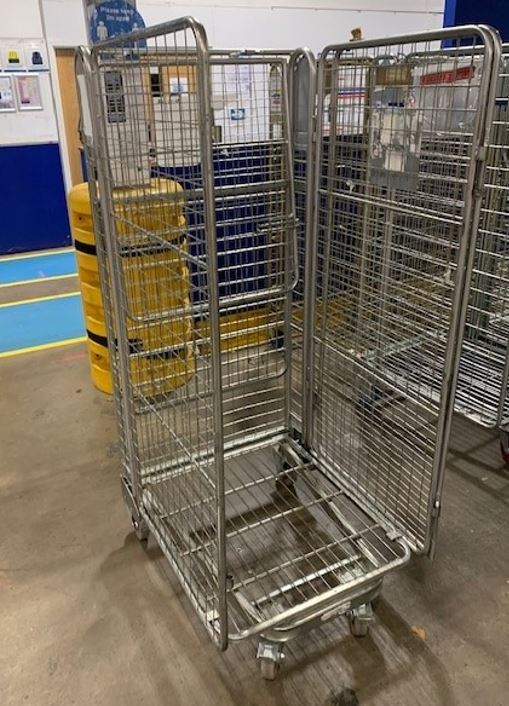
x: 491, y: 12
x: 32, y: 192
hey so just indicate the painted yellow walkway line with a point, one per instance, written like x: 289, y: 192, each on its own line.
x: 39, y: 279
x: 43, y: 347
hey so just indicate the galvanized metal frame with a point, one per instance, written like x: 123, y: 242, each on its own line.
x: 121, y: 351
x: 366, y: 545
x: 303, y: 61
x: 330, y: 59
x: 484, y: 364
x: 89, y: 130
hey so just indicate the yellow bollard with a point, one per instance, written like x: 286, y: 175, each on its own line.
x: 156, y: 280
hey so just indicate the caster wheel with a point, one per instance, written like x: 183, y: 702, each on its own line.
x: 504, y: 445
x: 360, y: 619
x: 358, y: 627
x: 140, y: 529
x: 270, y: 655
x: 269, y: 669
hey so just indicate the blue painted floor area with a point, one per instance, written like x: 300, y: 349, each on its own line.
x: 38, y: 323
x: 37, y: 267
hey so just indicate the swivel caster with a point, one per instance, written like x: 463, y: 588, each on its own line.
x: 141, y: 529
x: 269, y: 669
x: 270, y: 656
x: 360, y: 619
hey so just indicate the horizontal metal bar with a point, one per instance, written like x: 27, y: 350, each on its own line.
x: 265, y: 520
x: 336, y: 595
x: 268, y: 295
x: 306, y: 579
x: 426, y: 36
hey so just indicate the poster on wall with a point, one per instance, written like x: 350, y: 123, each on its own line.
x: 7, y: 104
x: 29, y: 92
x: 238, y: 79
x: 36, y: 57
x: 12, y: 55
x: 109, y: 18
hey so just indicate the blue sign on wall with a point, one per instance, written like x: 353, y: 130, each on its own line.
x: 114, y: 17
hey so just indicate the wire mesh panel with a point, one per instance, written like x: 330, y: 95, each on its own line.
x: 495, y: 221
x: 157, y: 281
x: 83, y: 71
x: 402, y: 133
x: 250, y: 182
x: 482, y: 385
x: 270, y: 528
x: 482, y: 378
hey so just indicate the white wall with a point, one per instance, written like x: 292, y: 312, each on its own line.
x: 31, y: 127
x: 64, y: 22
x: 20, y: 19
x: 293, y: 23
x: 236, y: 23
x: 262, y: 23
x: 23, y: 21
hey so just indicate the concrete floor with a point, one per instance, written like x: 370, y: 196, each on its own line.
x: 89, y: 617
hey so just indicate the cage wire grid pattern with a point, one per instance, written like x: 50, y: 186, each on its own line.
x: 260, y: 529
x: 482, y: 384
x: 481, y: 394
x: 395, y: 176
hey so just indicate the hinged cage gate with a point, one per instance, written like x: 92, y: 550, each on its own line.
x: 399, y: 174
x: 270, y: 526
x: 481, y: 394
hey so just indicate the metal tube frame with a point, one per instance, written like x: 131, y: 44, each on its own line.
x: 328, y: 603
x: 119, y: 350
x: 471, y: 217
x: 470, y: 221
x: 118, y: 301
x: 305, y: 56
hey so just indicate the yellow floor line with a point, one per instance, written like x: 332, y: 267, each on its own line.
x: 58, y: 251
x: 40, y: 299
x: 37, y: 280
x: 43, y: 347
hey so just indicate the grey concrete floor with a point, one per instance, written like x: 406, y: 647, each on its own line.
x: 88, y: 616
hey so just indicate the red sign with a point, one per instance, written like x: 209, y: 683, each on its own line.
x: 463, y: 74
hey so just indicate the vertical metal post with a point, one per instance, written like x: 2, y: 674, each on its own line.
x: 206, y: 131
x: 290, y: 246
x: 310, y: 266
x: 330, y: 210
x: 473, y: 202
x: 120, y: 348
x: 388, y: 229
x: 367, y: 209
x: 304, y: 57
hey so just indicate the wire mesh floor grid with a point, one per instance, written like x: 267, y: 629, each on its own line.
x: 292, y: 534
